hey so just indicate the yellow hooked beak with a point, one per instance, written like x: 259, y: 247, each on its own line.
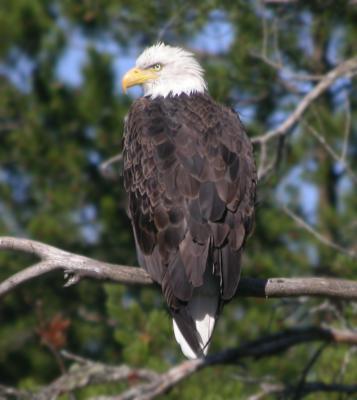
x: 137, y: 76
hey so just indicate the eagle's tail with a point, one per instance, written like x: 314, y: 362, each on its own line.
x: 194, y: 324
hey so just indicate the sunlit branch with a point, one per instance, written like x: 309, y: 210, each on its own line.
x: 341, y: 70
x: 264, y: 347
x: 77, y: 267
x: 87, y: 372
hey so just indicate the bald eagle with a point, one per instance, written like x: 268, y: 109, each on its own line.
x: 190, y: 177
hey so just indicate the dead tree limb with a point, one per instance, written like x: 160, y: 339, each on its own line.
x: 345, y: 68
x: 82, y: 374
x: 77, y: 267
x: 264, y: 347
x: 86, y: 372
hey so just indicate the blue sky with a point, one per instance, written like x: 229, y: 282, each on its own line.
x: 216, y: 36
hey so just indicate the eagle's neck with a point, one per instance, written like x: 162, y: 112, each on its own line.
x: 188, y: 84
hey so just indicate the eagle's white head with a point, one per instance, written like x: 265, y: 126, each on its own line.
x: 164, y: 70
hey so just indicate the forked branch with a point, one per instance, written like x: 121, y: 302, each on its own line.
x: 345, y: 68
x: 76, y: 267
x: 147, y: 384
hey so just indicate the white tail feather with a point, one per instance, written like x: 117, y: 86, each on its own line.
x: 203, y: 309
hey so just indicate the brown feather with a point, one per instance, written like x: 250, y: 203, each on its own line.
x: 190, y: 176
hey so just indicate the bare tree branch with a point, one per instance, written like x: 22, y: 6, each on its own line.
x: 106, y: 167
x: 346, y: 360
x: 340, y: 159
x: 264, y: 347
x: 7, y: 392
x: 342, y: 69
x: 300, y: 222
x: 280, y: 1
x: 347, y: 131
x: 309, y: 387
x: 295, y: 76
x: 83, y: 373
x: 76, y: 267
x: 325, y: 81
x: 86, y: 372
x: 302, y: 382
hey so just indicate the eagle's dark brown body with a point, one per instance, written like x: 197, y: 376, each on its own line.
x: 190, y: 176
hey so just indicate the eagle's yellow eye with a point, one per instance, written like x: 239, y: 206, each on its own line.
x: 157, y: 67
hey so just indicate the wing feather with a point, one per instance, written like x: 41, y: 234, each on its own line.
x: 190, y: 176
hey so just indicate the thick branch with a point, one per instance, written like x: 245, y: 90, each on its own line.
x: 76, y: 267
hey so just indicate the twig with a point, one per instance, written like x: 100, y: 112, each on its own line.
x: 280, y: 1
x: 170, y: 22
x: 263, y: 347
x: 332, y: 308
x: 347, y: 131
x: 276, y: 45
x: 74, y: 357
x: 262, y: 169
x: 87, y: 372
x: 77, y: 267
x: 266, y: 167
x: 264, y: 51
x: 340, y: 159
x: 341, y: 70
x: 300, y: 386
x: 7, y: 392
x: 282, y: 129
x: 267, y: 389
x: 91, y: 373
x: 346, y: 360
x: 105, y: 167
x: 318, y: 235
x: 309, y: 387
x: 279, y: 67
